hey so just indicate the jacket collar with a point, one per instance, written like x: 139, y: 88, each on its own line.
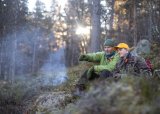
x: 109, y: 55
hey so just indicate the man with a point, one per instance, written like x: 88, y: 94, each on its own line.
x: 107, y: 60
x: 129, y: 64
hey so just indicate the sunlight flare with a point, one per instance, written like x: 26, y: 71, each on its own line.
x: 83, y: 30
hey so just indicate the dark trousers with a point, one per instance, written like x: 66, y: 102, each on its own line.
x: 83, y: 79
x: 103, y: 74
x: 81, y: 85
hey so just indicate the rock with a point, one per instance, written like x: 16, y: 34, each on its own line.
x: 2, y: 83
x: 51, y: 101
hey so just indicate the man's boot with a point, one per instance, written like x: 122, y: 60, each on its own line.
x: 80, y: 87
x: 79, y: 90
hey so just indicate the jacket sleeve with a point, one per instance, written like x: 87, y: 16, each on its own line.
x: 110, y: 66
x: 94, y: 57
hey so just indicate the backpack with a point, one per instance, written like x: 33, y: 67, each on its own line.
x: 149, y: 64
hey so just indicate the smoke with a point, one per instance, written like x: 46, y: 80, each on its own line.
x: 19, y: 51
x: 54, y: 70
x: 30, y: 65
x: 27, y: 52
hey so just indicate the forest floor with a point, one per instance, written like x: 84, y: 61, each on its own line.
x: 29, y: 96
x: 130, y: 95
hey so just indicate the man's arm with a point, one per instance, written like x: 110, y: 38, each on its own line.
x: 92, y: 57
x: 110, y: 66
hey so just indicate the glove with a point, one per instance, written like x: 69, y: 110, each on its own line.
x: 90, y: 72
x: 117, y: 76
x: 82, y: 57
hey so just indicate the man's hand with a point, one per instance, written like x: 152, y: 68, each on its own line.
x: 90, y: 72
x: 82, y: 57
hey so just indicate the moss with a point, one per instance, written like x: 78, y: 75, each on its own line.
x: 130, y: 95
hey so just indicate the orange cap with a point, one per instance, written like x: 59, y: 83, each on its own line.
x: 122, y: 45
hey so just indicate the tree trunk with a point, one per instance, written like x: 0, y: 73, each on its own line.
x: 135, y: 22
x: 150, y: 21
x: 112, y: 14
x: 95, y: 29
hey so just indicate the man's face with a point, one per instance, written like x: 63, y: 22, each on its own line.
x: 122, y: 52
x: 108, y: 49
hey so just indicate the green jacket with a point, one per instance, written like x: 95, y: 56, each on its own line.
x: 104, y: 63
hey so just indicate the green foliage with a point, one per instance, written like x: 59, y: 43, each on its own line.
x: 11, y: 98
x: 129, y: 95
x: 9, y: 92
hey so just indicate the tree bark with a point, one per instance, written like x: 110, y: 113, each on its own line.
x: 95, y: 26
x: 135, y: 22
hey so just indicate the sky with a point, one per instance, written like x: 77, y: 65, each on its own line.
x: 31, y: 4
